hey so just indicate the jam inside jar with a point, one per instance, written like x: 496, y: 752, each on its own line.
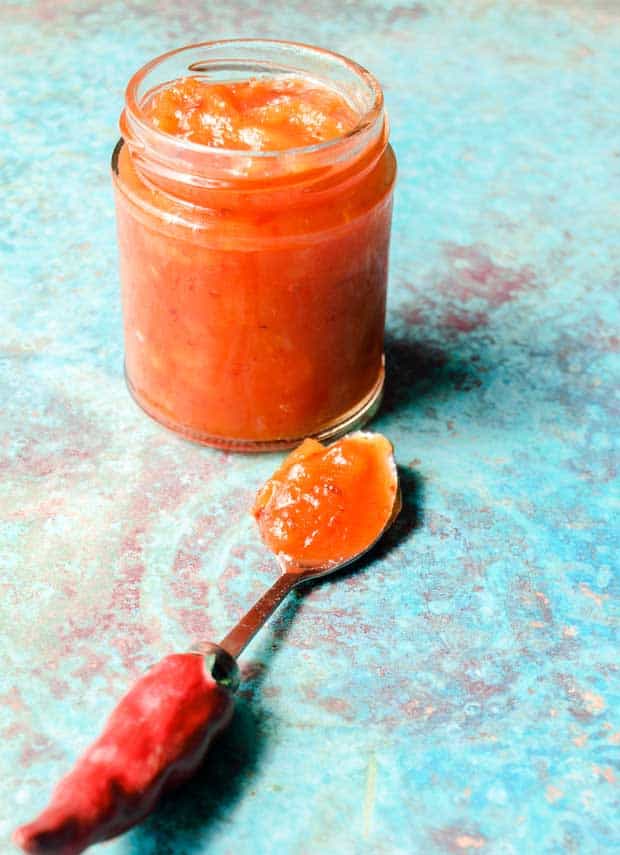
x: 253, y: 185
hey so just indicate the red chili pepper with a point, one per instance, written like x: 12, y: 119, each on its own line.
x: 156, y: 737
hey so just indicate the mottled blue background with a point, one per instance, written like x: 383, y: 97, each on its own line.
x: 459, y: 692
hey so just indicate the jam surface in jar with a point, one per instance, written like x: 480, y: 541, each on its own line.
x: 325, y: 505
x: 260, y: 114
x: 253, y: 223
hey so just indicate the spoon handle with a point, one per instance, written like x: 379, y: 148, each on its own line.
x: 241, y: 635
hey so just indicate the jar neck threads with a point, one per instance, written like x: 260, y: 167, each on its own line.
x: 199, y: 174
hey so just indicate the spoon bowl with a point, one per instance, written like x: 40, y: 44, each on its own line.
x: 293, y: 575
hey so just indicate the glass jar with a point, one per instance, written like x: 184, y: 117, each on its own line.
x: 254, y: 282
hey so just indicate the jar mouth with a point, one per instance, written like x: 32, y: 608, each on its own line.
x: 237, y: 57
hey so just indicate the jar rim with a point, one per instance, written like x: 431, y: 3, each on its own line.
x: 366, y: 121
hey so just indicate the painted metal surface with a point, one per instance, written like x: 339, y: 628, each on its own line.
x: 458, y: 693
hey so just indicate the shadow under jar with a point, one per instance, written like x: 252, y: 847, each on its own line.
x: 254, y: 281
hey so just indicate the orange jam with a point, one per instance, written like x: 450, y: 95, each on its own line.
x: 326, y: 505
x: 253, y: 211
x: 269, y: 114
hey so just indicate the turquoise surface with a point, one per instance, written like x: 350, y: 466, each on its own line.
x: 459, y: 692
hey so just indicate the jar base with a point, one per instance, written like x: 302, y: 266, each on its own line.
x: 353, y: 419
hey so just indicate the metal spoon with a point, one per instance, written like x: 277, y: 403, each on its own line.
x: 223, y: 665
